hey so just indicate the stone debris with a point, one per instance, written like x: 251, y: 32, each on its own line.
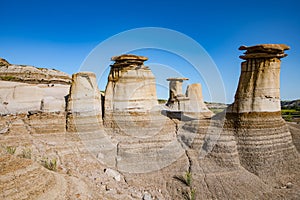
x: 114, y: 174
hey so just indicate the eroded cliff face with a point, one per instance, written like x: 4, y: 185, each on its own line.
x: 32, y: 75
x: 36, y: 95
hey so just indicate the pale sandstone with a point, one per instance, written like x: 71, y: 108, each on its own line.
x: 84, y: 103
x: 131, y: 86
x: 264, y: 142
x: 18, y: 97
x: 191, y: 103
x: 259, y: 84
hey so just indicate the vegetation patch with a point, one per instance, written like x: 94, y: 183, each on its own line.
x: 26, y: 153
x: 11, y: 149
x: 190, y: 192
x: 50, y: 164
x: 7, y: 78
x: 291, y: 115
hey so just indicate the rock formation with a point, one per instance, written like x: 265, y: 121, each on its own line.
x: 191, y: 104
x: 130, y: 106
x: 84, y: 110
x: 131, y: 85
x: 123, y: 146
x: 35, y: 93
x: 264, y: 142
x: 3, y: 62
x: 32, y: 75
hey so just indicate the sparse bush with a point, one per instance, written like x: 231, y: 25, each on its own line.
x: 186, y: 179
x: 26, y: 153
x: 11, y: 149
x: 50, y: 164
x: 7, y: 78
x: 189, y: 194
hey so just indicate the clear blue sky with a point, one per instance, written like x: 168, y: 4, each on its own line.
x: 60, y: 34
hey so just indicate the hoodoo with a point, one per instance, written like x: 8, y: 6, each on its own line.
x: 131, y: 85
x: 189, y: 104
x: 264, y: 142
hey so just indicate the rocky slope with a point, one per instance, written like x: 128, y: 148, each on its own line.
x: 30, y: 74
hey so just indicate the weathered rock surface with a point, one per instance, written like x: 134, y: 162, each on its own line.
x: 4, y: 62
x: 191, y: 104
x: 18, y: 97
x: 264, y: 142
x: 131, y: 86
x: 259, y: 84
x: 138, y: 152
x: 84, y: 103
x: 33, y: 75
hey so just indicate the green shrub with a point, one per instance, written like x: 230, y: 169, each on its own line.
x: 11, y: 149
x: 50, y: 164
x: 26, y: 153
x: 186, y: 179
x: 189, y: 194
x: 7, y: 78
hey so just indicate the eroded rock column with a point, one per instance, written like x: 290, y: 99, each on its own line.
x: 264, y: 142
x: 84, y: 103
x: 131, y: 85
x: 191, y: 103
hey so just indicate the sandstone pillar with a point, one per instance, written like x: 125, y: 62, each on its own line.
x: 175, y: 87
x: 264, y: 142
x: 191, y: 103
x: 177, y: 99
x: 131, y: 86
x: 84, y: 103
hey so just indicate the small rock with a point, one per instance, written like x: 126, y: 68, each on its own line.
x: 4, y: 130
x: 289, y: 185
x: 147, y: 196
x: 113, y: 173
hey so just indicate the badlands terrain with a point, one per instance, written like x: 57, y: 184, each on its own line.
x: 61, y: 138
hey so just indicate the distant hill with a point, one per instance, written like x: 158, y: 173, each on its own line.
x: 294, y: 104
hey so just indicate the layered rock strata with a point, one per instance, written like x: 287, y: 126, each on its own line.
x: 131, y: 85
x: 33, y: 75
x: 18, y: 97
x: 35, y: 94
x: 131, y: 106
x: 84, y: 110
x: 264, y: 142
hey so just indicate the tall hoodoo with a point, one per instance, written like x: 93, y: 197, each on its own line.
x: 131, y: 85
x: 259, y: 86
x: 264, y: 141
